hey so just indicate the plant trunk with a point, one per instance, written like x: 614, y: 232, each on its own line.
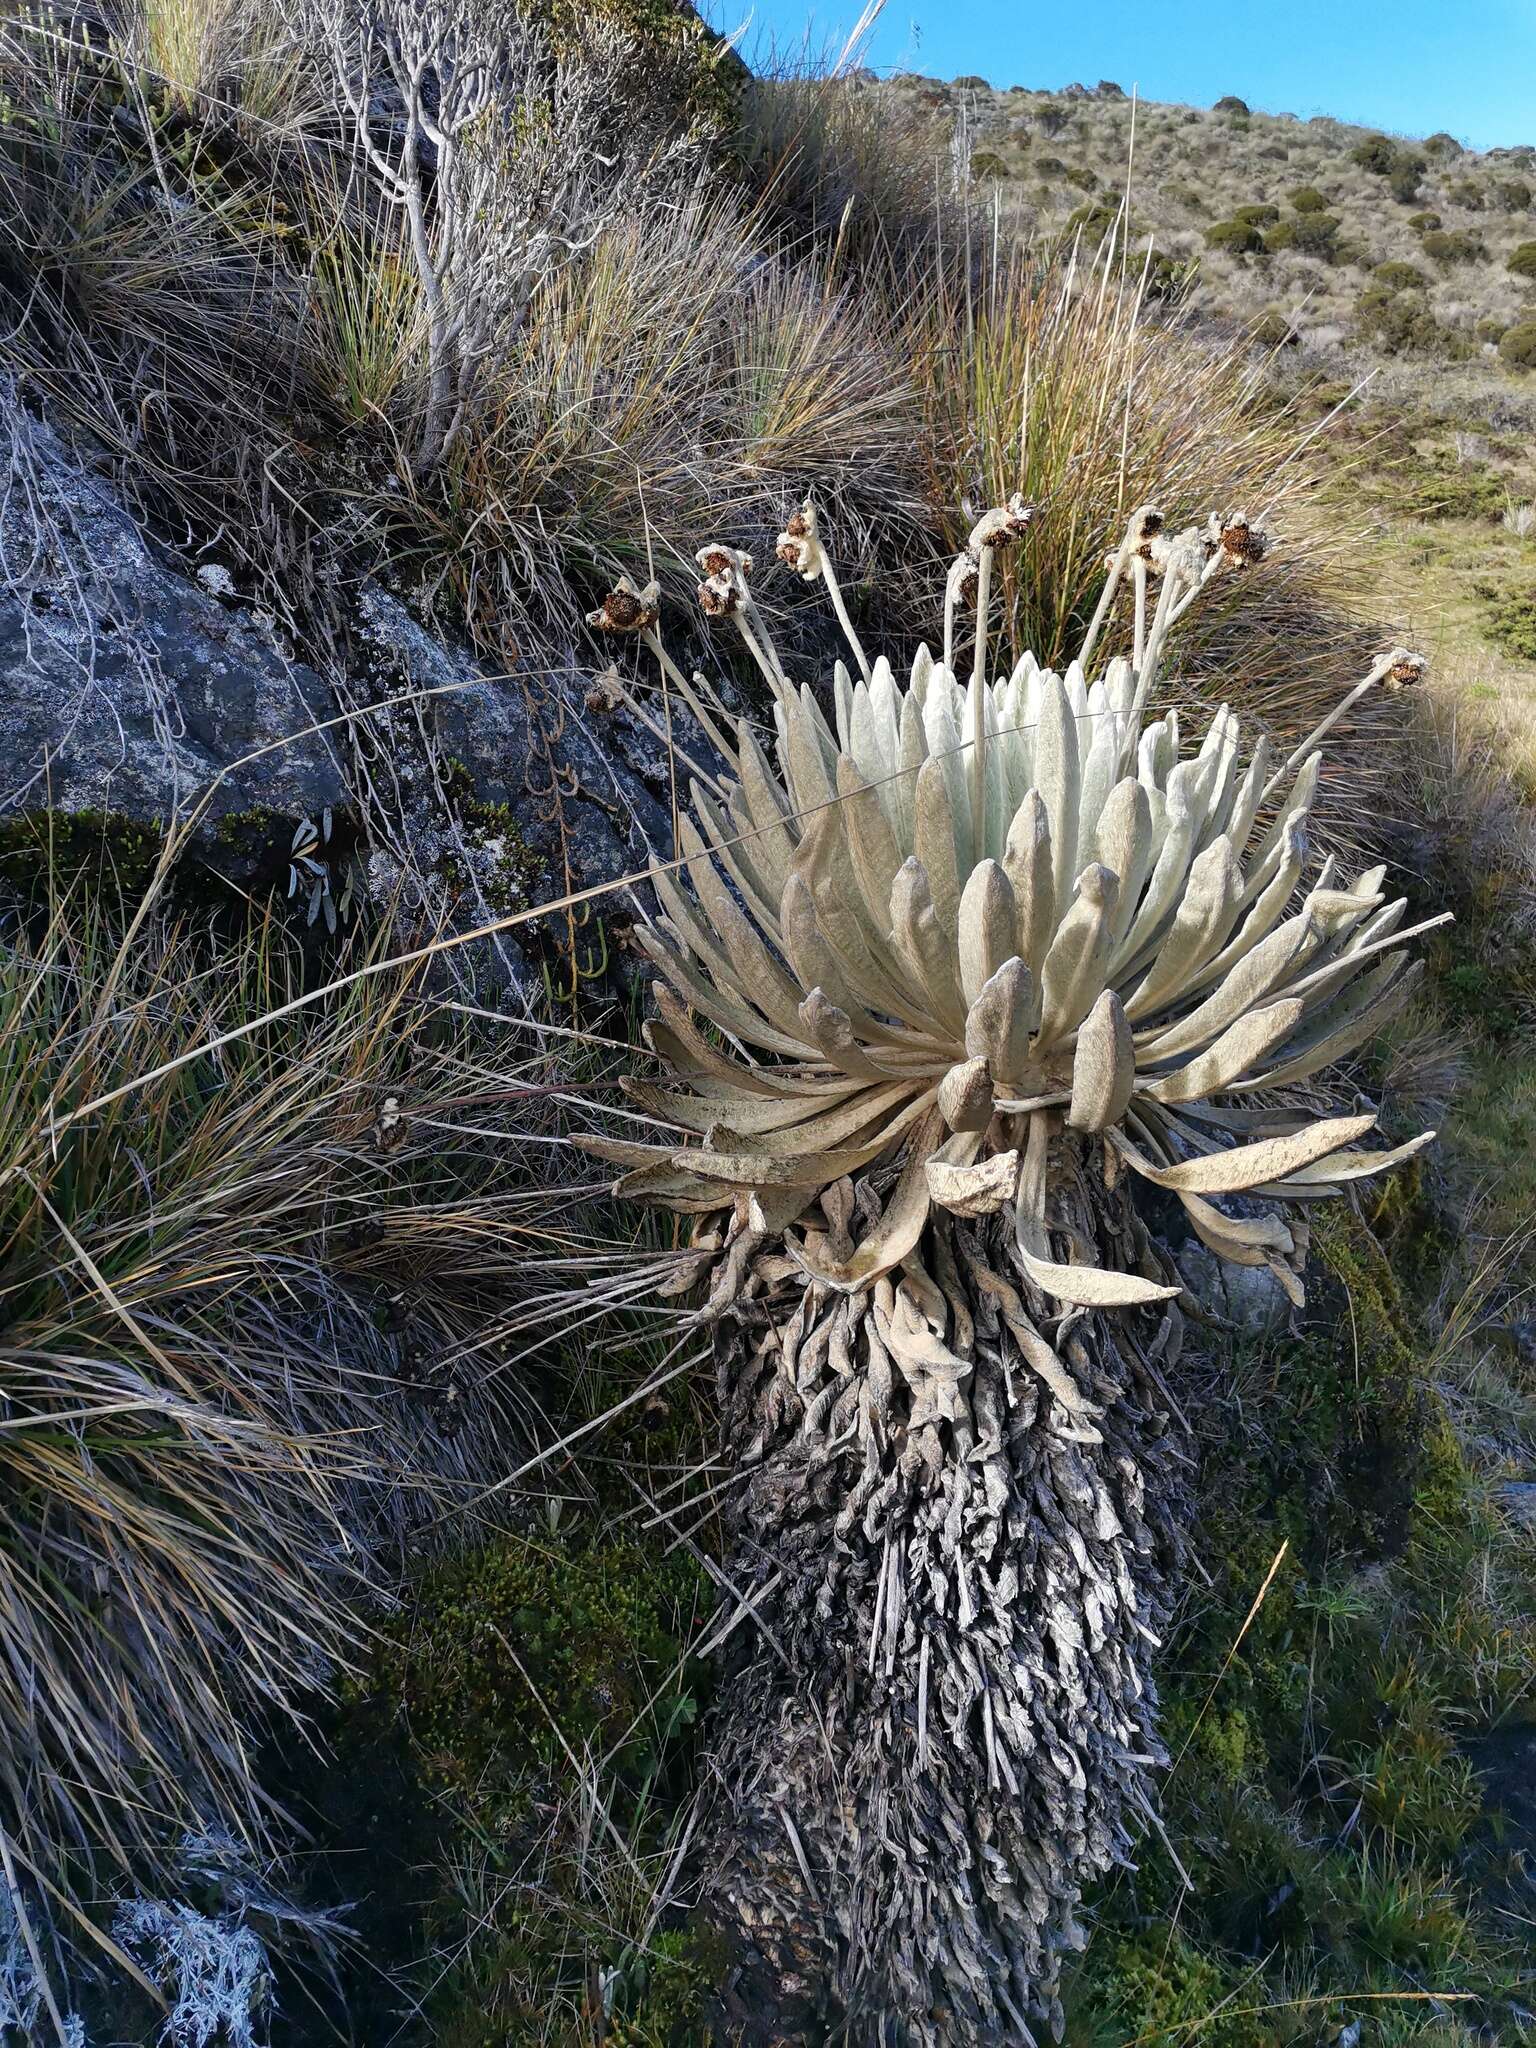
x: 938, y: 1725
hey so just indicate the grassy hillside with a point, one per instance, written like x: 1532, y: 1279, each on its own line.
x: 1330, y: 233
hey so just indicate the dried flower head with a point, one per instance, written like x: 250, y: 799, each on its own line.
x: 720, y: 595
x: 715, y: 559
x: 799, y: 546
x: 1239, y: 542
x: 1405, y: 668
x: 627, y: 609
x: 960, y: 586
x: 1003, y: 526
x: 1180, y: 555
x: 1146, y: 524
x: 605, y: 693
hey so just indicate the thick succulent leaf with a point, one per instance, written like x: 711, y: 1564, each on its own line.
x: 702, y: 1106
x: 1103, y: 1067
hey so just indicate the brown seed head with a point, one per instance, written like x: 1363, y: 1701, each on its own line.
x: 625, y: 609
x: 1406, y: 668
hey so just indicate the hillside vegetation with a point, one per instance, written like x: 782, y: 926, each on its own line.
x: 365, y: 1540
x: 1320, y: 231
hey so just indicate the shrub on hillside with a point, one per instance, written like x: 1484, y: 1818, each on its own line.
x: 1517, y: 346
x: 1376, y: 153
x: 1399, y: 277
x: 1273, y: 330
x: 1401, y: 323
x: 1092, y: 222
x: 1403, y: 182
x: 986, y: 163
x: 1515, y: 194
x: 1453, y: 245
x: 1280, y: 237
x: 1424, y: 223
x: 1259, y: 216
x: 1229, y: 103
x: 1234, y: 237
x: 1522, y: 262
x: 1441, y: 145
x: 1307, y: 199
x: 1083, y: 178
x: 1468, y: 193
x: 1316, y: 234
x: 1490, y: 328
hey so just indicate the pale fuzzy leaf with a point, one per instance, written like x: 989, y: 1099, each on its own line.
x: 928, y: 949
x: 1237, y: 1052
x: 986, y: 927
x: 1200, y: 926
x: 1103, y: 1067
x: 1030, y: 869
x: 1057, y: 778
x: 999, y: 1024
x: 965, y: 1096
x: 1093, y: 1286
x: 1341, y: 1166
x: 935, y: 845
x: 1075, y: 966
x: 1123, y: 844
x: 1247, y: 1166
x: 832, y: 1032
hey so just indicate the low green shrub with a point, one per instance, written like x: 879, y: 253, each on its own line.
x: 1307, y: 199
x: 1376, y: 153
x: 1517, y: 346
x: 1257, y: 216
x: 1424, y: 223
x: 1235, y: 238
x: 1441, y: 145
x: 986, y: 163
x: 1509, y: 616
x: 1522, y: 261
x: 1514, y: 193
x: 1316, y: 234
x: 1229, y: 103
x: 1399, y: 277
x: 1453, y: 245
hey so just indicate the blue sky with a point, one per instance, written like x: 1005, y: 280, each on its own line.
x: 1468, y: 66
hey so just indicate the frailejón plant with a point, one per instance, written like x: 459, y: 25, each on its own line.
x: 945, y: 972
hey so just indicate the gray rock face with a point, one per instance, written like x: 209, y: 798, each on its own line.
x: 125, y: 686
x: 131, y: 687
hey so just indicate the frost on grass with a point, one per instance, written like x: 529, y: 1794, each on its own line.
x: 22, y: 1999
x: 215, y: 1972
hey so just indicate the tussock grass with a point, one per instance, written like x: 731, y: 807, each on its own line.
x: 214, y: 1442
